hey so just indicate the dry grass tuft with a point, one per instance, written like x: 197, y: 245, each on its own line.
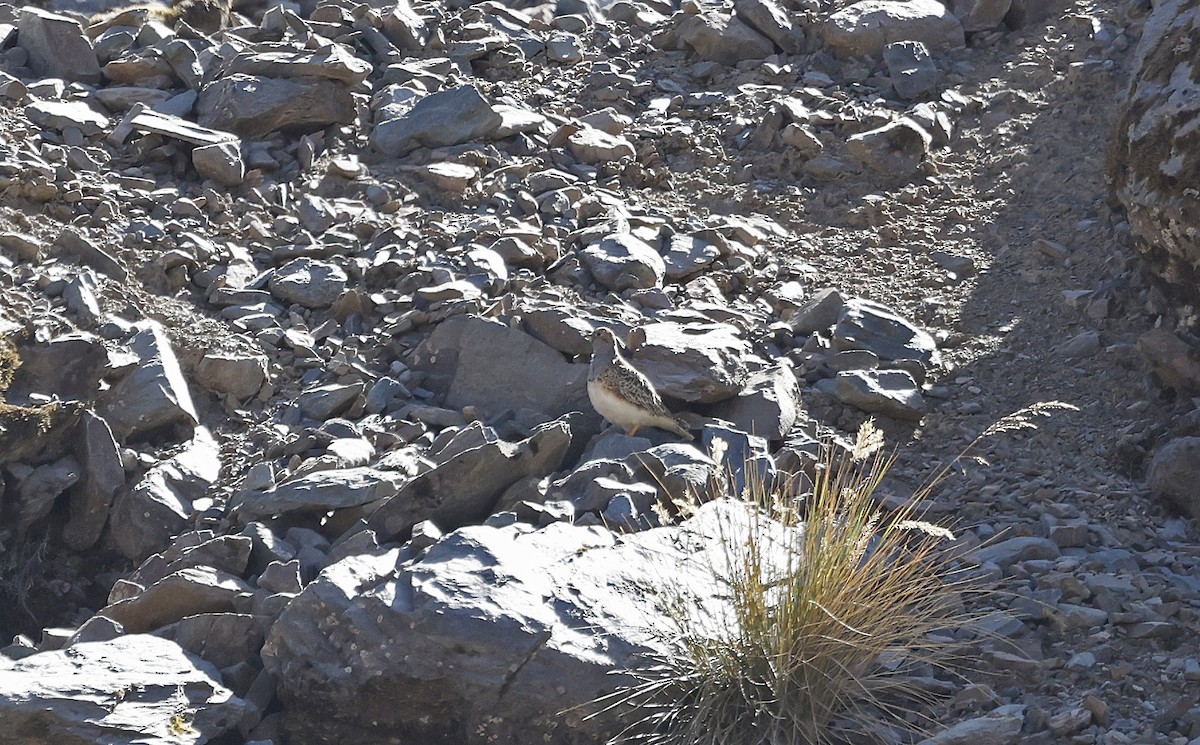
x: 829, y: 613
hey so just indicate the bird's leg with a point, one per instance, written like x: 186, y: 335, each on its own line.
x: 633, y: 430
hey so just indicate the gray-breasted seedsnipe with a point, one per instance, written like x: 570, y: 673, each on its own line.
x: 621, y: 394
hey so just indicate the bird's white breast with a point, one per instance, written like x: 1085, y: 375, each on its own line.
x: 616, y: 409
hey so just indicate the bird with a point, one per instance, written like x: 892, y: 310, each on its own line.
x: 621, y: 394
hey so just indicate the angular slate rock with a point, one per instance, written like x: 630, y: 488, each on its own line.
x: 308, y: 282
x: 864, y: 28
x: 178, y: 595
x: 912, y: 70
x: 239, y: 375
x: 893, y: 393
x: 101, y: 475
x: 318, y: 492
x: 722, y: 38
x: 767, y: 406
x: 863, y: 324
x: 622, y: 261
x: 441, y: 119
x: 127, y: 691
x: 57, y: 46
x: 154, y: 395
x: 703, y: 363
x: 253, y: 106
x: 896, y: 149
x: 773, y: 22
x: 1174, y: 473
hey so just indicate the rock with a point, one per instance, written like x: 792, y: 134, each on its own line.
x: 1068, y: 722
x: 405, y: 28
x: 1146, y: 166
x: 687, y: 255
x: 590, y: 145
x: 819, y: 312
x: 317, y: 493
x: 89, y: 253
x: 132, y: 689
x: 180, y: 594
x: 221, y: 162
x: 912, y: 70
x: 332, y: 62
x: 57, y: 46
x: 1175, y: 363
x: 101, y: 475
x: 496, y: 368
x: 1085, y: 344
x: 722, y: 38
x: 239, y: 375
x: 496, y: 661
x: 866, y: 27
x: 1002, y: 726
x: 37, y: 490
x: 441, y: 119
x: 153, y: 395
x: 621, y: 261
x: 253, y: 106
x: 327, y: 401
x: 308, y: 282
x: 1020, y: 548
x: 702, y: 363
x: 222, y: 639
x: 68, y: 367
x: 980, y: 15
x: 773, y: 22
x: 889, y: 392
x: 464, y: 488
x: 896, y: 149
x: 158, y: 507
x: 863, y: 324
x: 60, y: 115
x: 1174, y: 472
x: 767, y: 406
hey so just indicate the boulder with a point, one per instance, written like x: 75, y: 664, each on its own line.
x: 767, y: 406
x: 703, y: 363
x: 1174, y: 472
x: 317, y: 493
x: 495, y: 368
x: 253, y: 106
x: 179, y: 595
x: 896, y: 149
x: 980, y: 15
x: 1152, y: 166
x: 622, y: 261
x: 911, y: 69
x: 153, y: 395
x: 129, y: 690
x: 441, y: 119
x: 772, y: 21
x: 241, y: 376
x: 863, y: 324
x: 308, y: 282
x: 57, y: 46
x: 465, y: 486
x: 866, y: 27
x: 101, y: 476
x: 496, y: 635
x: 889, y: 392
x: 722, y: 38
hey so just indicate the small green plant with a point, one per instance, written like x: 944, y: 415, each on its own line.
x: 828, y: 612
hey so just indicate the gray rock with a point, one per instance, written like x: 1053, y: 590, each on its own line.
x: 767, y: 406
x: 101, y: 475
x: 222, y: 639
x: 506, y: 662
x: 590, y: 145
x: 1174, y: 473
x: 773, y: 22
x: 1173, y: 360
x: 621, y: 261
x: 57, y: 46
x: 153, y: 395
x: 239, y: 375
x: 863, y: 324
x: 441, y: 119
x: 178, y: 595
x: 1085, y: 344
x: 1080, y: 616
x: 702, y: 363
x: 308, y: 282
x: 60, y: 115
x: 496, y: 368
x: 464, y: 488
x: 332, y: 62
x: 680, y: 471
x: 912, y: 70
x: 68, y: 367
x: 37, y: 490
x: 1002, y: 726
x: 818, y: 312
x: 220, y: 162
x: 892, y: 393
x: 722, y: 38
x: 896, y: 149
x: 124, y: 691
x: 143, y: 519
x: 686, y: 255
x: 1146, y: 167
x: 980, y: 15
x: 1020, y: 548
x: 866, y: 27
x: 404, y: 28
x: 254, y: 106
x: 89, y: 253
x: 319, y: 492
x: 327, y: 401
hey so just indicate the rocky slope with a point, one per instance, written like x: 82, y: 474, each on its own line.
x: 293, y: 301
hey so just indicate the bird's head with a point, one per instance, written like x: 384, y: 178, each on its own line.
x: 604, y: 340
